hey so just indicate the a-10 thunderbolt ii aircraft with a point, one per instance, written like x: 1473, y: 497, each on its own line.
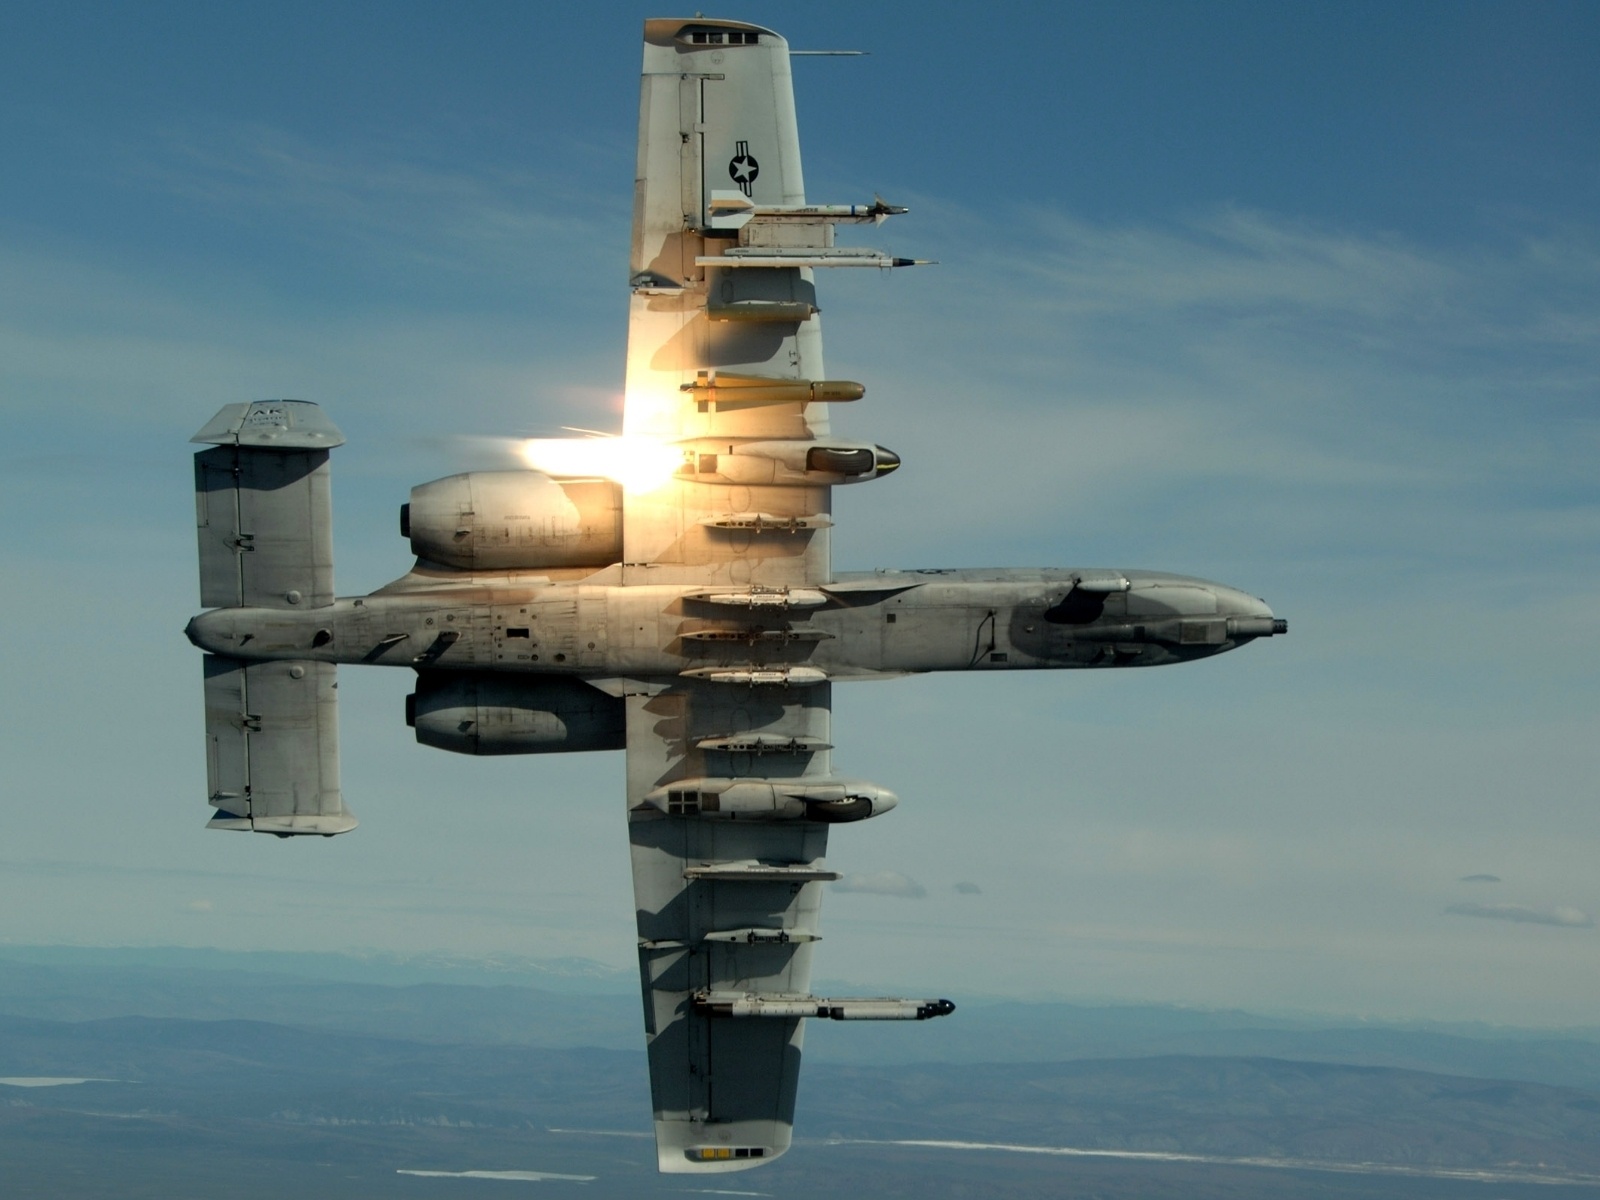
x: 672, y: 597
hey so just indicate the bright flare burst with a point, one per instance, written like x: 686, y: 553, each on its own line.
x: 640, y: 464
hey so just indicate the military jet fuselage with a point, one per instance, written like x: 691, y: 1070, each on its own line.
x: 858, y: 626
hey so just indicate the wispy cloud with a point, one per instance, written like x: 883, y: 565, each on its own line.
x: 1569, y: 918
x: 283, y: 266
x: 1481, y: 879
x: 967, y: 889
x: 882, y: 883
x: 391, y: 198
x: 513, y: 1176
x: 1230, y: 260
x: 1331, y: 383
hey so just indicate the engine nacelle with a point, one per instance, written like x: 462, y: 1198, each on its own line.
x: 504, y: 714
x: 515, y: 521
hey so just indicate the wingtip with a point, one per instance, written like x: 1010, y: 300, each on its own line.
x: 713, y: 1160
x: 692, y: 1148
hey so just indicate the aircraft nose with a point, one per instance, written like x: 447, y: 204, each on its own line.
x: 1248, y: 616
x: 887, y: 460
x: 1241, y: 604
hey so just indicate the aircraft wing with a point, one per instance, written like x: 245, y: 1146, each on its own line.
x: 710, y: 347
x: 722, y: 358
x: 726, y: 908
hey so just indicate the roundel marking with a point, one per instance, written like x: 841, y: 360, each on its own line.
x: 743, y: 168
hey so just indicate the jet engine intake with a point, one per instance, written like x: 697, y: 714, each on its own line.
x: 470, y: 713
x: 514, y: 521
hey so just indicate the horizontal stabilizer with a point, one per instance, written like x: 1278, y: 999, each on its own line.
x: 272, y: 747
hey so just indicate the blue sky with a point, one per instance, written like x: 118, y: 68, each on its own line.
x: 1303, y: 298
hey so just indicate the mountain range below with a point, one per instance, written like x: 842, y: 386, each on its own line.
x: 207, y: 1077
x: 476, y: 1001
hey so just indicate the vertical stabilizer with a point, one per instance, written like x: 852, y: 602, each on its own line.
x: 264, y: 515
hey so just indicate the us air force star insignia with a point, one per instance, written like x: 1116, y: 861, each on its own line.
x: 743, y: 169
